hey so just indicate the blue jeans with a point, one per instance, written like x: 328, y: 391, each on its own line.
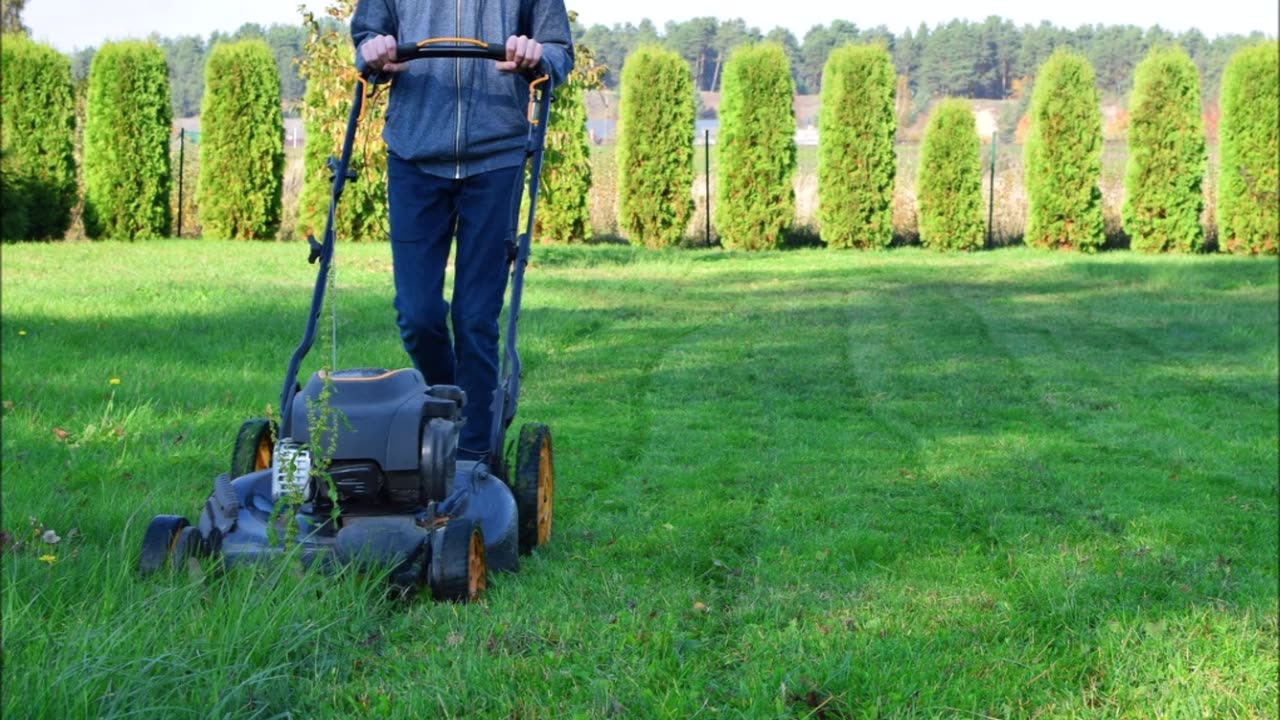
x: 427, y: 213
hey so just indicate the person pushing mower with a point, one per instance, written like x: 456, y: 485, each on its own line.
x: 415, y: 479
x: 455, y: 133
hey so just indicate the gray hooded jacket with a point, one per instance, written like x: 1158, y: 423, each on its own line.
x: 461, y: 117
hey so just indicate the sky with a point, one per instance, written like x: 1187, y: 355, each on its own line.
x: 73, y: 24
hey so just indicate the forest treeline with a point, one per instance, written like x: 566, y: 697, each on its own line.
x: 994, y: 59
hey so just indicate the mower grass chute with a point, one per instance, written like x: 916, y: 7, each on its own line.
x: 392, y: 493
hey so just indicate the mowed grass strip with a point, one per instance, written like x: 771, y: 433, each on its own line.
x: 801, y: 484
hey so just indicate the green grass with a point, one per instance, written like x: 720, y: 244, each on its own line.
x: 808, y: 484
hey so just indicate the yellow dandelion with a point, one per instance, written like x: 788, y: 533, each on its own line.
x: 115, y: 381
x: 22, y: 333
x: 49, y: 559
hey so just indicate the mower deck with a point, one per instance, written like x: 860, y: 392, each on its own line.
x: 382, y: 536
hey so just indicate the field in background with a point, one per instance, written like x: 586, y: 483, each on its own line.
x: 790, y: 485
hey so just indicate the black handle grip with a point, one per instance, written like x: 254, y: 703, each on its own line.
x: 486, y: 51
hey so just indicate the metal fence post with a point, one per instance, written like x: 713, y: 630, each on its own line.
x: 182, y: 138
x: 991, y: 202
x: 706, y: 147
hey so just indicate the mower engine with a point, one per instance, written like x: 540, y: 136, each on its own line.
x: 392, y: 440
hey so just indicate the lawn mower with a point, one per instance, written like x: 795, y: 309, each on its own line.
x: 362, y: 468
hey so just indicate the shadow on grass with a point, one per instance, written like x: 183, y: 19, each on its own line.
x: 258, y: 334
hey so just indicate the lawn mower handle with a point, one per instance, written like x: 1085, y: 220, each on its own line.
x: 450, y: 48
x: 447, y: 47
x: 506, y: 398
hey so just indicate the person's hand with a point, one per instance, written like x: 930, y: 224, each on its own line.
x: 523, y: 53
x: 379, y: 54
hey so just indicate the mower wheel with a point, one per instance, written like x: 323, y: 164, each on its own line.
x: 534, y: 486
x: 458, y: 572
x: 189, y: 544
x: 159, y: 541
x: 255, y: 442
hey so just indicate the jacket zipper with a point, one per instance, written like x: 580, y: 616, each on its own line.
x: 457, y: 86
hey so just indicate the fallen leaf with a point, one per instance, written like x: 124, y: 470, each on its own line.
x: 700, y: 607
x: 60, y: 434
x: 8, y: 404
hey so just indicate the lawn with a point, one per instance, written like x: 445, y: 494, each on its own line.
x: 807, y: 484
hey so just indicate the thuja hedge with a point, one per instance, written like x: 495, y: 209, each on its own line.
x: 126, y: 143
x: 1164, y: 171
x: 563, y: 206
x: 755, y: 198
x: 1062, y: 158
x: 949, y: 179
x: 241, y: 143
x: 655, y: 147
x: 1249, y: 151
x: 37, y: 127
x: 856, y: 160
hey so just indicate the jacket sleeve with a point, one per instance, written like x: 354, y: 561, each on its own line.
x: 551, y: 28
x: 371, y: 19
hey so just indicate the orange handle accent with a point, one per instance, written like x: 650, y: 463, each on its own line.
x: 453, y: 41
x: 364, y: 90
x: 533, y: 86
